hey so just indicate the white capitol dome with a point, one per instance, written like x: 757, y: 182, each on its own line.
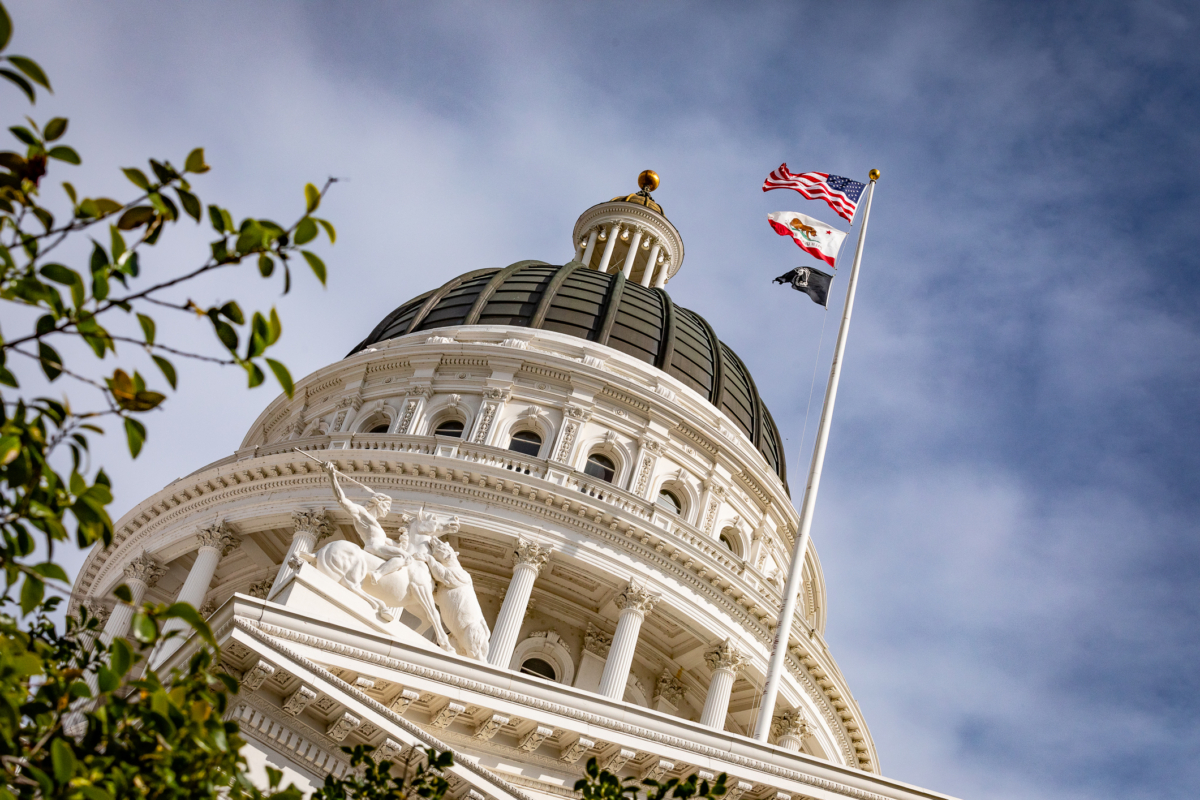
x: 610, y: 481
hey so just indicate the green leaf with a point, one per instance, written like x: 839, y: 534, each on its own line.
x: 135, y: 217
x: 31, y: 69
x: 121, y: 657
x: 107, y: 680
x: 274, y: 327
x: 265, y: 265
x: 168, y: 370
x: 137, y: 177
x: 24, y: 134
x: 64, y: 153
x: 312, y: 197
x: 32, y: 592
x: 70, y: 190
x: 116, y: 242
x: 5, y: 27
x: 233, y: 312
x: 55, y: 128
x: 144, y: 629
x: 282, y: 375
x: 215, y: 217
x: 50, y: 360
x: 24, y: 85
x: 148, y: 327
x: 123, y: 592
x: 51, y: 571
x: 191, y: 616
x: 329, y: 231
x: 60, y: 274
x: 63, y: 760
x: 306, y: 231
x: 10, y: 448
x: 256, y: 375
x: 135, y: 432
x: 190, y: 203
x: 195, y: 161
x: 318, y: 266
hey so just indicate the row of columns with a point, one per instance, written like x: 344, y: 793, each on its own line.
x: 635, y: 602
x: 612, y: 232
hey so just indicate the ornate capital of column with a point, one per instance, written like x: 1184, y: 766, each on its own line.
x: 638, y: 597
x: 311, y: 521
x: 596, y: 641
x: 725, y: 656
x: 144, y: 569
x: 96, y: 609
x: 791, y: 723
x: 669, y: 689
x: 530, y: 552
x: 218, y: 537
x: 577, y: 412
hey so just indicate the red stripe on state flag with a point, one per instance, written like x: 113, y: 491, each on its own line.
x: 814, y: 237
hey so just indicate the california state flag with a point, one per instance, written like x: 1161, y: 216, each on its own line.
x: 813, y: 236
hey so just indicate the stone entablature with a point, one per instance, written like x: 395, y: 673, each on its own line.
x: 262, y: 488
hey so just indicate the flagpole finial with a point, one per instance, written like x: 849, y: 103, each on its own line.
x: 873, y: 174
x: 648, y: 180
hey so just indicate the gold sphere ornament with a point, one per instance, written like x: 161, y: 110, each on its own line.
x: 648, y: 180
x: 873, y: 174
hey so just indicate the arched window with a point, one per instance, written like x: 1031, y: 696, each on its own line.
x: 381, y: 428
x: 729, y: 537
x: 668, y: 502
x: 540, y: 668
x: 451, y: 427
x: 600, y: 466
x: 526, y: 442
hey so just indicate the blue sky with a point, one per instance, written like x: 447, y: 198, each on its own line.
x: 1007, y: 519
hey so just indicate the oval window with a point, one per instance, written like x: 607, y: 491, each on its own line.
x: 526, y: 442
x: 668, y: 502
x: 600, y: 466
x: 539, y: 667
x: 450, y: 427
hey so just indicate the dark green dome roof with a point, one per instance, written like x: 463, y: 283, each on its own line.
x: 602, y: 308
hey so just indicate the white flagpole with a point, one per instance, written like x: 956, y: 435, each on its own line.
x: 766, y: 709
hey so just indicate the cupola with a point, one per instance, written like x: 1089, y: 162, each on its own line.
x: 630, y: 234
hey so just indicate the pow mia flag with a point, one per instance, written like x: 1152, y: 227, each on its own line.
x: 811, y: 281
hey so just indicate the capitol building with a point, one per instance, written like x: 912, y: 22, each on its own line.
x: 539, y: 514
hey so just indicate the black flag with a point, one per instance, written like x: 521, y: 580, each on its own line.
x: 811, y: 281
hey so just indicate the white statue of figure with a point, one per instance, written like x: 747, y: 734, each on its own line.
x: 402, y: 578
x: 456, y: 598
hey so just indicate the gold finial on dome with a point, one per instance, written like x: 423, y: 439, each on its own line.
x: 648, y: 180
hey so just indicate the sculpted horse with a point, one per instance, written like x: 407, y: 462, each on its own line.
x: 456, y: 598
x: 389, y: 574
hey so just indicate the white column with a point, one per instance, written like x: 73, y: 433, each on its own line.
x: 309, y: 526
x: 614, y: 230
x: 660, y: 276
x: 528, y: 559
x: 790, y: 728
x: 215, y: 541
x: 591, y: 246
x: 635, y: 602
x: 725, y: 661
x: 651, y: 263
x: 633, y: 252
x: 140, y: 574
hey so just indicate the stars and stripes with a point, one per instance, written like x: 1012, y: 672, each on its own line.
x: 840, y: 193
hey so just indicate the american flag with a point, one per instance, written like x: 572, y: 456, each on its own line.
x: 841, y: 193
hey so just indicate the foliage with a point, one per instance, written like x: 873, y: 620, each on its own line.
x: 600, y: 784
x: 80, y: 716
x: 421, y: 775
